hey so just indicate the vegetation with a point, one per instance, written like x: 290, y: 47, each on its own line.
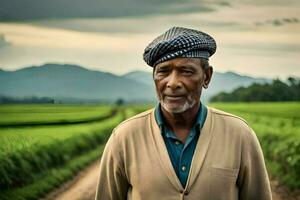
x: 277, y: 126
x: 51, y: 178
x: 36, y: 114
x: 30, y: 100
x: 44, y: 148
x: 35, y: 159
x: 276, y: 91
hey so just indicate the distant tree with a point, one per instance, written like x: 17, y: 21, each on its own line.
x: 295, y: 86
x: 120, y: 102
x: 292, y: 81
x: 276, y: 91
x: 25, y: 100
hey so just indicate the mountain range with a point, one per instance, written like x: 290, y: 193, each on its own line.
x: 72, y: 82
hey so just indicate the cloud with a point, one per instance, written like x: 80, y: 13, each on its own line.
x: 279, y: 22
x: 37, y: 9
x: 11, y: 10
x: 131, y: 25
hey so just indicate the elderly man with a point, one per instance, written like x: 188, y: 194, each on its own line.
x: 182, y: 149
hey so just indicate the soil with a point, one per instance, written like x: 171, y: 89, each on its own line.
x: 83, y: 187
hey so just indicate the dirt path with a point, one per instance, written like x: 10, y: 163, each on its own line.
x: 83, y: 187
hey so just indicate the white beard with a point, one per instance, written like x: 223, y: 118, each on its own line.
x: 189, y: 103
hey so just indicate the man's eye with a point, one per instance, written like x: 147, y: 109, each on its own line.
x: 187, y: 72
x: 162, y: 71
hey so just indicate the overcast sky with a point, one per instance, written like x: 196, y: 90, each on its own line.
x: 253, y: 39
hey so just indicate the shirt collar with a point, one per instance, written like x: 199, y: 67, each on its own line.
x: 201, y: 116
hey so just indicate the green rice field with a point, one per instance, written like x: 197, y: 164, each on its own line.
x: 37, y: 114
x: 42, y: 146
x: 34, y: 145
x: 277, y: 126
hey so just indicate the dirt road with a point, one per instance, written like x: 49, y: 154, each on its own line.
x: 83, y: 187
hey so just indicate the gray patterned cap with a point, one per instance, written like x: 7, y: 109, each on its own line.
x: 179, y: 42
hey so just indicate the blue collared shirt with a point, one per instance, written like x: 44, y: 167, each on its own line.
x: 181, y: 155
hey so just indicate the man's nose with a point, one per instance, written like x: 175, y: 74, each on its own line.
x: 173, y: 81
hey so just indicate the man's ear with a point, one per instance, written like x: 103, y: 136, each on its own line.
x: 207, y: 76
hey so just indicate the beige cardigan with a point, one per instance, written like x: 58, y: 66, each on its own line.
x: 228, y: 163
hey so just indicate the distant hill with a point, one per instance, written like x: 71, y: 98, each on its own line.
x: 71, y: 81
x: 140, y: 76
x: 228, y: 81
x: 67, y: 82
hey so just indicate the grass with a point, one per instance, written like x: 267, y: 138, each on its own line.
x: 47, y: 148
x: 36, y: 159
x: 50, y: 113
x: 269, y: 109
x: 277, y: 126
x: 52, y: 178
x: 20, y: 138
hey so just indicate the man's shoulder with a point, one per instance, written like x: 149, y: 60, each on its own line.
x: 225, y: 123
x: 226, y: 115
x: 228, y: 118
x: 136, y: 122
x: 137, y: 118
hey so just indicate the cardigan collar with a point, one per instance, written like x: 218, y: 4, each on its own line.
x: 200, y: 118
x: 198, y: 158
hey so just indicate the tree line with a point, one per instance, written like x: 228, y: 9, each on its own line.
x: 275, y: 91
x: 26, y: 100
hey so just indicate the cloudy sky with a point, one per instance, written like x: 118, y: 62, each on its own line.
x: 257, y: 38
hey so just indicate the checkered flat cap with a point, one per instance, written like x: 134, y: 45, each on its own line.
x: 179, y: 42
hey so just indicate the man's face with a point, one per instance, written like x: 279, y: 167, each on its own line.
x: 179, y: 83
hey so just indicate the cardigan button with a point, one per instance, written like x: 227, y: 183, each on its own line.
x: 186, y: 193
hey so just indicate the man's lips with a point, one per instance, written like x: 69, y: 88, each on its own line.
x: 174, y: 97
